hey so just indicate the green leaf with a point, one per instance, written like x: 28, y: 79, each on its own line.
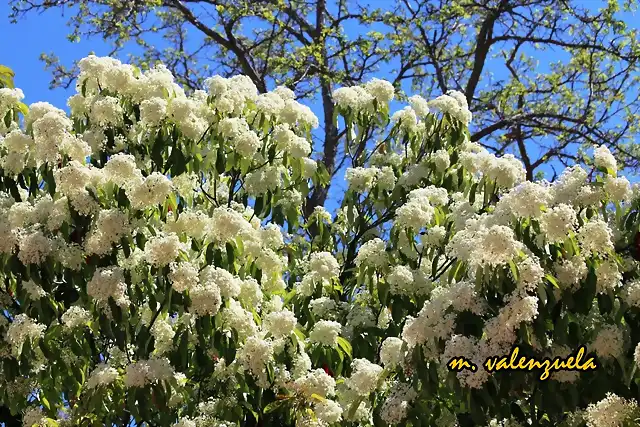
x: 345, y: 346
x: 206, y: 326
x: 273, y: 406
x: 179, y: 162
x: 45, y: 402
x: 157, y: 151
x: 6, y: 77
x: 383, y: 292
x: 632, y: 372
x: 449, y: 183
x: 140, y: 241
x: 116, y: 311
x: 23, y: 108
x: 83, y: 88
x: 605, y: 304
x: 472, y: 193
x: 231, y: 256
x: 45, y: 350
x: 354, y: 407
x: 209, y: 254
x: 454, y: 272
x: 124, y: 242
x: 250, y: 408
x: 560, y: 330
x: 318, y: 397
x: 542, y: 293
x: 77, y: 373
x: 350, y: 214
x: 584, y: 296
x: 183, y: 349
x: 514, y: 270
x: 105, y: 326
x: 258, y: 205
x: 278, y: 215
x: 552, y: 280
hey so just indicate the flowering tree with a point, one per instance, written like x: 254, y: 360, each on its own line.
x: 157, y: 269
x: 545, y: 79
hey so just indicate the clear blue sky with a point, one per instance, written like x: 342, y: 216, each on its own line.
x: 26, y: 40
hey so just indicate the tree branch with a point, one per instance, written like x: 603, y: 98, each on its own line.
x: 230, y: 44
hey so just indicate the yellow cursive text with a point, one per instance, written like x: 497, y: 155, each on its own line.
x: 547, y: 365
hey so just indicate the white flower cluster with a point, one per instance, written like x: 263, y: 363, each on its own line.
x: 364, y: 376
x: 163, y: 333
x: 373, y: 254
x: 9, y: 98
x: 34, y: 416
x: 391, y: 353
x: 75, y: 317
x: 143, y: 372
x: 401, y: 280
x: 21, y: 330
x: 205, y: 299
x: 323, y: 308
x: 613, y: 410
x: 558, y: 222
x: 395, y: 408
x: 316, y: 381
x: 34, y: 291
x: 280, y: 323
x: 102, y: 375
x: 480, y: 245
x: 323, y: 265
x: 604, y: 159
x: 362, y: 179
x: 505, y: 422
x: 108, y: 282
x: 631, y: 294
x: 328, y: 411
x: 506, y: 171
x: 436, y: 321
x: 453, y: 103
x: 364, y: 98
x: 609, y: 342
x: 417, y: 213
x: 325, y: 332
x: 255, y: 355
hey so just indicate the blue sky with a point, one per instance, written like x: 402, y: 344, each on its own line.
x: 32, y: 36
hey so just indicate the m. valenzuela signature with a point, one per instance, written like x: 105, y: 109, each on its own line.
x: 512, y: 363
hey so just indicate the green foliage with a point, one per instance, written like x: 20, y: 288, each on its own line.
x: 6, y: 77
